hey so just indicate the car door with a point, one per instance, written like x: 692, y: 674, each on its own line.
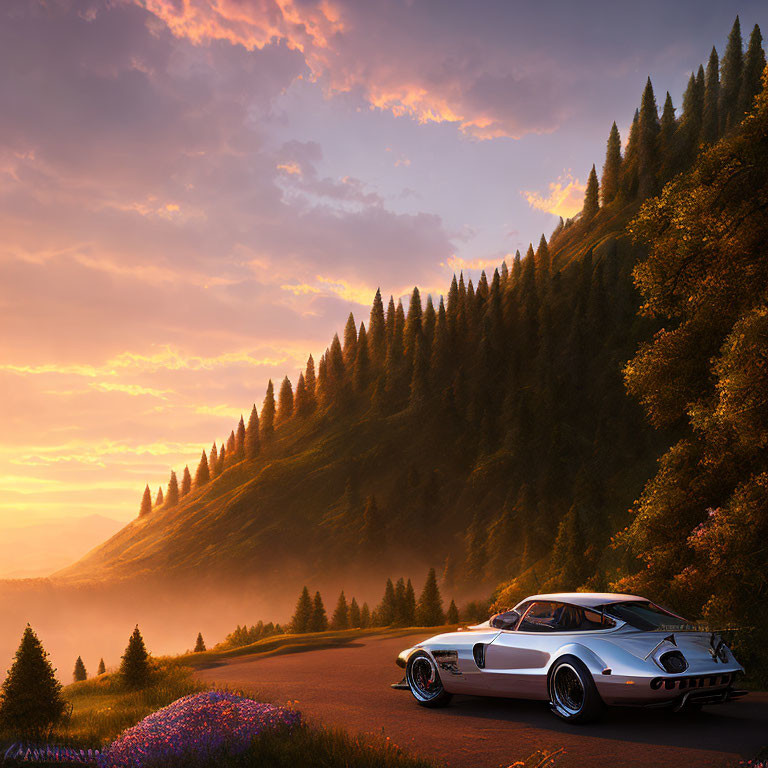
x: 516, y: 661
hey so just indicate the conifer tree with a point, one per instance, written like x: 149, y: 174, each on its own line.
x: 452, y: 616
x: 213, y: 460
x: 629, y: 166
x: 591, y: 198
x: 285, y: 403
x: 231, y: 448
x: 409, y: 613
x: 412, y: 324
x: 318, y: 621
x: 350, y: 342
x: 365, y: 616
x: 751, y: 81
x: 222, y: 460
x: 386, y: 612
x: 668, y: 151
x: 102, y: 667
x: 429, y: 612
x: 309, y: 380
x: 609, y: 186
x: 647, y: 143
x: 301, y: 404
x: 199, y: 643
x: 240, y: 440
x: 355, y: 621
x: 146, y: 503
x: 186, y: 481
x: 172, y: 497
x: 362, y: 365
x: 79, y: 673
x: 710, y: 126
x: 252, y: 435
x: 336, y: 373
x: 399, y: 618
x: 135, y: 667
x: 340, y: 619
x: 376, y: 332
x: 30, y: 697
x: 203, y: 475
x: 267, y: 417
x: 730, y: 79
x: 303, y: 614
x: 159, y: 498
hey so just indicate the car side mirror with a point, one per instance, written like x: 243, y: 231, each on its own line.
x: 505, y: 620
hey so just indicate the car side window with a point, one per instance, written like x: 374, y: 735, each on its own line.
x: 561, y: 617
x: 539, y: 618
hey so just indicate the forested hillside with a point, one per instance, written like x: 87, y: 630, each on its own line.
x: 490, y: 432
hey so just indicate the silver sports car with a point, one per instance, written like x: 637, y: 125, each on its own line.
x: 579, y: 651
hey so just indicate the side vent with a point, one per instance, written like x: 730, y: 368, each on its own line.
x: 478, y: 651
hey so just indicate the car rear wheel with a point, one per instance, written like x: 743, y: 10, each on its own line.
x: 573, y: 696
x: 424, y: 681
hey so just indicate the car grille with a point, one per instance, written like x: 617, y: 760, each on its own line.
x: 693, y: 681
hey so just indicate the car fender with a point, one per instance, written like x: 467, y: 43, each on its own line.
x: 593, y: 662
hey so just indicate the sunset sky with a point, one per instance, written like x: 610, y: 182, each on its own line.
x: 196, y: 193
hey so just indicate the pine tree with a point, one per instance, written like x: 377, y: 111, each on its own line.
x: 609, y: 186
x: 350, y: 342
x: 309, y: 380
x: 629, y: 167
x: 385, y: 613
x: 730, y: 79
x: 267, y: 417
x: 30, y: 698
x: 186, y: 482
x: 135, y: 667
x: 199, y: 643
x: 301, y: 403
x: 146, y: 502
x: 213, y: 460
x: 159, y: 498
x: 285, y: 403
x: 412, y: 331
x: 668, y: 151
x: 303, y: 614
x: 102, y: 667
x: 365, y: 616
x: 318, y: 621
x: 591, y: 197
x: 409, y: 614
x: 222, y: 460
x: 252, y: 435
x: 429, y: 612
x: 399, y: 618
x: 355, y: 620
x: 340, y: 619
x: 710, y: 126
x: 376, y: 332
x: 336, y: 373
x: 689, y: 128
x: 203, y: 475
x: 362, y: 364
x: 647, y: 143
x: 172, y: 497
x: 452, y: 617
x: 231, y: 448
x: 751, y: 81
x: 240, y: 440
x: 79, y: 673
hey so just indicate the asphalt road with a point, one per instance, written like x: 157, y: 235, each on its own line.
x: 349, y: 687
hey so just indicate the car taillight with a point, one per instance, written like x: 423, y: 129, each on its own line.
x: 673, y: 662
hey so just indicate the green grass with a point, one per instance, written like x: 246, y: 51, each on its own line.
x: 276, y: 645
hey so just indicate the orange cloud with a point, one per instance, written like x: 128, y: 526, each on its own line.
x: 565, y: 198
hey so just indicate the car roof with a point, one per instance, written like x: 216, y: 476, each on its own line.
x: 585, y: 599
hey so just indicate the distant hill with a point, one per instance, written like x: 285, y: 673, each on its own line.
x: 489, y: 434
x: 45, y: 547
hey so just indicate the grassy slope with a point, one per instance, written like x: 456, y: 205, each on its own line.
x: 278, y: 645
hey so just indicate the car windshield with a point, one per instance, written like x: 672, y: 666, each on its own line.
x: 644, y: 615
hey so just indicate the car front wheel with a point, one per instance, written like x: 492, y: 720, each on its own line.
x: 573, y: 696
x: 424, y: 681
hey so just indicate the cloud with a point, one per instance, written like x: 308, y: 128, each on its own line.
x: 565, y: 198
